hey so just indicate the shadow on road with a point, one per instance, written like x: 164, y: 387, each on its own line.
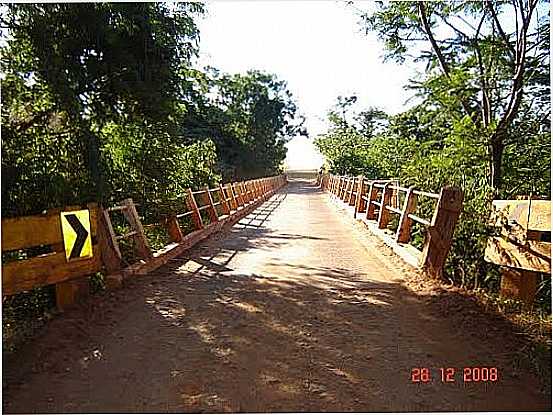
x: 199, y: 336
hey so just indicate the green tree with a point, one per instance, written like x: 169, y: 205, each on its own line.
x: 486, y: 61
x: 250, y: 117
x: 99, y: 63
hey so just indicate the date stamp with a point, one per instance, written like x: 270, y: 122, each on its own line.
x: 452, y: 374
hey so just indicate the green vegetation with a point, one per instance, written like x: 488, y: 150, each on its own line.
x: 482, y: 121
x: 101, y: 102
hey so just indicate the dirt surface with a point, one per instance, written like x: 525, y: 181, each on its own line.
x: 293, y: 309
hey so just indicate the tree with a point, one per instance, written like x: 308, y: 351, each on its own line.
x: 487, y: 60
x: 99, y: 62
x: 250, y: 117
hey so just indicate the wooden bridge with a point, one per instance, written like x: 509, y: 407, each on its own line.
x: 269, y: 296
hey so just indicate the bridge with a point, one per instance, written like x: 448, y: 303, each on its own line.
x: 283, y: 296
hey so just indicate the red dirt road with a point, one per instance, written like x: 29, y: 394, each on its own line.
x: 293, y: 309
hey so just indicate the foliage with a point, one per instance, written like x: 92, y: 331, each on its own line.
x: 250, y: 118
x: 485, y: 60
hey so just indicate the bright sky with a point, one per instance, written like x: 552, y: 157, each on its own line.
x: 318, y: 47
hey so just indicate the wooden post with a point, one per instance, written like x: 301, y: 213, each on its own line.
x: 193, y: 207
x: 440, y: 232
x: 140, y: 241
x: 249, y: 191
x: 255, y: 185
x: 233, y: 201
x: 353, y: 194
x: 403, y: 233
x: 224, y: 202
x: 212, y: 211
x: 519, y: 284
x: 249, y: 187
x: 253, y: 190
x: 384, y: 214
x: 70, y: 292
x: 239, y: 194
x: 173, y: 228
x: 109, y: 247
x: 345, y: 196
x: 349, y: 194
x: 371, y: 207
x: 359, y: 197
x: 243, y: 193
x: 344, y: 190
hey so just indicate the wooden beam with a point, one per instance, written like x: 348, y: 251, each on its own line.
x: 140, y: 240
x: 384, y: 214
x: 403, y: 233
x: 530, y: 256
x: 21, y: 232
x: 193, y: 207
x: 440, y: 232
x: 46, y: 269
x: 359, y: 202
x: 107, y: 242
x: 173, y: 228
x: 233, y: 201
x: 212, y: 211
x: 352, y: 193
x: 224, y: 203
x: 70, y: 292
x: 371, y: 207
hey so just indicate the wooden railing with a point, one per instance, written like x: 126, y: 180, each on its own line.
x: 47, y: 264
x: 374, y: 201
x: 37, y: 243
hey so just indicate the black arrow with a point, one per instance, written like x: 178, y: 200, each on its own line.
x: 81, y: 232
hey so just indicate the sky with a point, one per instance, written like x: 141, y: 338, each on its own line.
x: 318, y: 47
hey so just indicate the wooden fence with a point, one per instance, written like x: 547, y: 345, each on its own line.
x: 37, y: 244
x: 374, y: 201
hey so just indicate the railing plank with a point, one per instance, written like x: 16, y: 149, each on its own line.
x: 403, y: 233
x: 46, y: 269
x: 440, y: 231
x: 141, y: 243
x: 193, y: 207
x: 384, y: 214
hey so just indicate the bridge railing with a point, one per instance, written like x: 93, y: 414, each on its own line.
x: 375, y: 201
x: 34, y: 251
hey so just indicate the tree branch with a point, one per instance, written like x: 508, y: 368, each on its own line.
x: 502, y: 33
x: 443, y: 64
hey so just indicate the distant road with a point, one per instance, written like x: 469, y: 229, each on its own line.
x: 302, y: 174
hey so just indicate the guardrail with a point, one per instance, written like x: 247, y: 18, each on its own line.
x: 374, y: 201
x: 39, y: 250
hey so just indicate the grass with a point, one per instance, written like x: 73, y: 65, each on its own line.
x: 535, y: 324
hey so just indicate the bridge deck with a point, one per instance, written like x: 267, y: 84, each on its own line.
x: 292, y: 309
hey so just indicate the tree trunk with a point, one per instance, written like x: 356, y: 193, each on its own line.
x: 93, y: 163
x: 496, y: 158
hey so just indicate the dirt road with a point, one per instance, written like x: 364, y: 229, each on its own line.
x: 293, y: 309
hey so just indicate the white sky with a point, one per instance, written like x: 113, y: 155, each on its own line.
x: 316, y: 46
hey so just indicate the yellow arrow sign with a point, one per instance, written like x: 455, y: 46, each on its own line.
x: 75, y: 227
